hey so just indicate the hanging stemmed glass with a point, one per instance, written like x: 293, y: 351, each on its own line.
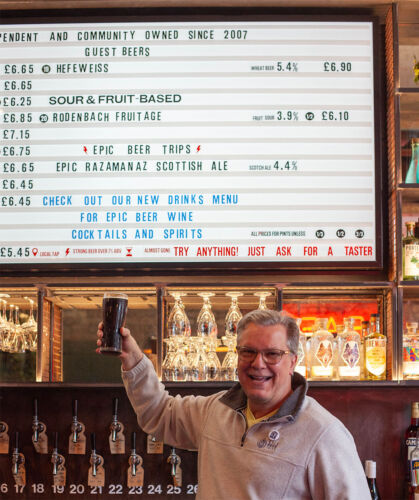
x: 206, y: 329
x: 19, y: 342
x: 234, y: 315
x: 178, y: 324
x: 178, y: 329
x: 206, y: 324
x: 3, y: 323
x: 30, y: 328
x: 10, y: 340
x: 262, y: 299
x: 7, y: 327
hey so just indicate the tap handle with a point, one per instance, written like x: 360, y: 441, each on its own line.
x: 55, y: 441
x: 93, y: 442
x: 35, y: 408
x: 75, y: 409
x: 133, y: 440
x: 173, y: 461
x: 115, y: 407
x: 16, y: 440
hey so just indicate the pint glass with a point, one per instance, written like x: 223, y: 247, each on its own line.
x: 114, y: 313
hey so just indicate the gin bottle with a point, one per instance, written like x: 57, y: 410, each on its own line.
x: 410, y: 254
x: 375, y: 351
x: 321, y: 352
x: 411, y: 352
x: 412, y: 175
x: 349, y: 355
x: 301, y: 366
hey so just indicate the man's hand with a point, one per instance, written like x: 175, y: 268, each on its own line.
x: 131, y: 353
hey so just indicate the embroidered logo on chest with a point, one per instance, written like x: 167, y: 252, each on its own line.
x: 268, y: 444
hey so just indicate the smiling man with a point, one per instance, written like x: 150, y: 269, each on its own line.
x: 262, y: 439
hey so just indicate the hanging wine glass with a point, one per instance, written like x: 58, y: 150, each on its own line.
x: 30, y: 328
x: 10, y: 341
x: 19, y: 341
x: 178, y: 329
x: 6, y: 327
x: 3, y: 323
x: 206, y: 324
x: 178, y: 324
x: 233, y: 315
x: 262, y: 299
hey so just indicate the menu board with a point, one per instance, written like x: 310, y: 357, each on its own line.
x: 173, y: 142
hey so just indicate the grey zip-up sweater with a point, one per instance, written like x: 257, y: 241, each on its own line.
x: 302, y: 452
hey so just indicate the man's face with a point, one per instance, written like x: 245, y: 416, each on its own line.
x: 265, y: 385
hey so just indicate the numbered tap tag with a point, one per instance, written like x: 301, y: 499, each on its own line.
x: 153, y: 446
x: 99, y: 479
x: 138, y: 478
x: 41, y: 446
x: 117, y: 447
x: 177, y: 478
x: 20, y: 477
x: 4, y: 438
x: 78, y: 447
x: 59, y: 479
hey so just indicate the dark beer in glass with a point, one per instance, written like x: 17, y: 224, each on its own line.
x: 114, y: 313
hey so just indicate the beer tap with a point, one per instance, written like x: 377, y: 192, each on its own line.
x: 76, y: 428
x: 58, y: 468
x: 115, y: 425
x: 135, y: 472
x: 77, y: 439
x: 36, y: 424
x: 39, y: 437
x: 116, y: 438
x: 94, y: 459
x: 16, y: 456
x: 18, y: 464
x: 96, y: 476
x: 134, y: 459
x: 175, y: 471
x: 56, y: 459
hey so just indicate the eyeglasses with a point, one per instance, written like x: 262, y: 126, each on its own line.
x: 271, y: 357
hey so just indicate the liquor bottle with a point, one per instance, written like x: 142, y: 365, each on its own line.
x: 412, y: 175
x: 301, y: 366
x: 371, y: 473
x: 414, y: 470
x: 375, y: 351
x: 410, y: 438
x: 411, y: 352
x: 410, y: 254
x: 349, y: 352
x: 322, y: 351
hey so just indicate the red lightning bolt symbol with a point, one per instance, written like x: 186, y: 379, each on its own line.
x: 85, y: 149
x: 67, y: 251
x: 198, y: 148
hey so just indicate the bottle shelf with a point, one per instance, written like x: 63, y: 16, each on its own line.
x: 407, y: 90
x: 409, y: 284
